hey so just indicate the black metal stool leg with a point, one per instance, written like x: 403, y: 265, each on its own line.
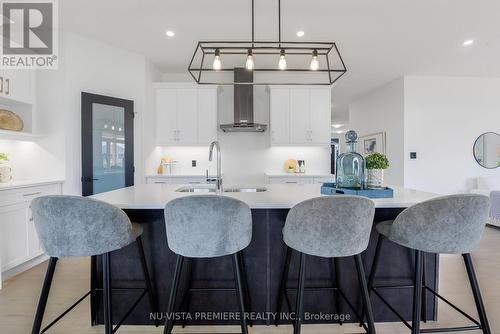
x: 367, y: 306
x: 153, y: 303
x: 169, y: 322
x: 106, y: 278
x: 417, y: 294
x: 44, y: 295
x: 300, y: 294
x: 424, y: 291
x: 239, y: 293
x: 94, y: 302
x: 373, y: 270
x: 246, y: 291
x: 485, y: 326
x: 282, y: 289
x: 336, y: 279
x: 186, y: 299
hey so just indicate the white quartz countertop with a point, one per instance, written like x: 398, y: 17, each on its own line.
x: 28, y: 183
x: 162, y: 176
x: 277, y: 196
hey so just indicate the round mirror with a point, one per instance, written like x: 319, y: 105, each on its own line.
x: 487, y: 150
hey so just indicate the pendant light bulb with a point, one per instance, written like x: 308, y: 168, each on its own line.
x: 314, y: 61
x: 249, y: 64
x: 282, y: 61
x: 217, y: 65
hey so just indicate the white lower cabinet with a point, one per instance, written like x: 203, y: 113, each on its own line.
x: 19, y: 243
x: 299, y: 179
x: 178, y: 179
x: 14, y: 237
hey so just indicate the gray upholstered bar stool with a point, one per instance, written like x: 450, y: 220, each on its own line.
x: 208, y: 226
x: 449, y: 225
x: 329, y: 227
x: 72, y: 226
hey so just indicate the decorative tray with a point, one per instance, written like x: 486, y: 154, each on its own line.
x: 331, y: 189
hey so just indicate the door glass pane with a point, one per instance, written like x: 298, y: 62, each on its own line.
x: 108, y: 138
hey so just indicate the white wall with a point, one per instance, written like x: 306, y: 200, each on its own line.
x: 443, y: 118
x: 439, y: 118
x: 245, y: 156
x: 29, y: 160
x: 91, y: 66
x: 379, y: 111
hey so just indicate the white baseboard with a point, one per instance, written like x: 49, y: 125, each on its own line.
x: 23, y: 267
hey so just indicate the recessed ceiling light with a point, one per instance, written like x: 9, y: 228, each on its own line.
x: 336, y: 126
x: 300, y: 33
x: 170, y: 33
x: 468, y: 42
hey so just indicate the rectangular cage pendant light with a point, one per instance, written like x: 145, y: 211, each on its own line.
x: 272, y: 63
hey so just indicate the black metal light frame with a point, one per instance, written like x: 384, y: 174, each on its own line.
x: 327, y: 50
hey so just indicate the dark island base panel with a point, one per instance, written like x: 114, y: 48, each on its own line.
x: 264, y: 260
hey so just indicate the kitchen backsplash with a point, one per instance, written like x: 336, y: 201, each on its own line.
x: 244, y: 160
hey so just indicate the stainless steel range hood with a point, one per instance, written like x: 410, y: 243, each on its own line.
x: 243, y: 105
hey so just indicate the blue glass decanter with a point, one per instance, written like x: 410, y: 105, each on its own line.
x: 350, y: 165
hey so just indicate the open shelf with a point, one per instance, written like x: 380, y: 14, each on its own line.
x: 18, y: 135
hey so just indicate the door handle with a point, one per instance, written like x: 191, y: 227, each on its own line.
x: 32, y: 194
x: 7, y: 83
x: 88, y: 179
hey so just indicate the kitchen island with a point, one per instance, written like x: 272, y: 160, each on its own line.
x: 263, y: 258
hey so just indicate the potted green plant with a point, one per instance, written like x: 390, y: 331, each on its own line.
x: 5, y: 170
x: 376, y: 163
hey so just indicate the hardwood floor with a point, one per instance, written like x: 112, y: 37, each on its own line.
x: 19, y: 297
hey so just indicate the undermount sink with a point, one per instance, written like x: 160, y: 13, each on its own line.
x: 211, y: 189
x: 245, y: 190
x: 198, y: 189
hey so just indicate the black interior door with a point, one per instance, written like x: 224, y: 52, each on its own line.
x: 107, y: 143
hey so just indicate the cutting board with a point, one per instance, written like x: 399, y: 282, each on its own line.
x: 10, y: 121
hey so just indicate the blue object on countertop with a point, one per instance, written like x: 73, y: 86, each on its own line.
x: 330, y: 189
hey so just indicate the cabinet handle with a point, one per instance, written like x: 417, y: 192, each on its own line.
x: 158, y: 182
x: 291, y: 182
x: 1, y: 84
x: 32, y: 194
x: 7, y: 83
x: 31, y: 219
x: 194, y: 182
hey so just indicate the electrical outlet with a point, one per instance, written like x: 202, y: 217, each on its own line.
x: 193, y: 163
x: 413, y: 155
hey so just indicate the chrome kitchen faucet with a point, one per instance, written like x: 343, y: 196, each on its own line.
x: 218, y: 182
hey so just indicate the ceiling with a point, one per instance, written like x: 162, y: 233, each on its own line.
x: 379, y: 40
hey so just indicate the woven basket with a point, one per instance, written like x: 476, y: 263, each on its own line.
x: 10, y: 121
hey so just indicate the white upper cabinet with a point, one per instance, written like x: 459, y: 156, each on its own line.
x: 207, y: 115
x: 280, y: 116
x: 166, y: 115
x: 300, y: 115
x: 320, y: 112
x: 186, y: 115
x: 18, y: 85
